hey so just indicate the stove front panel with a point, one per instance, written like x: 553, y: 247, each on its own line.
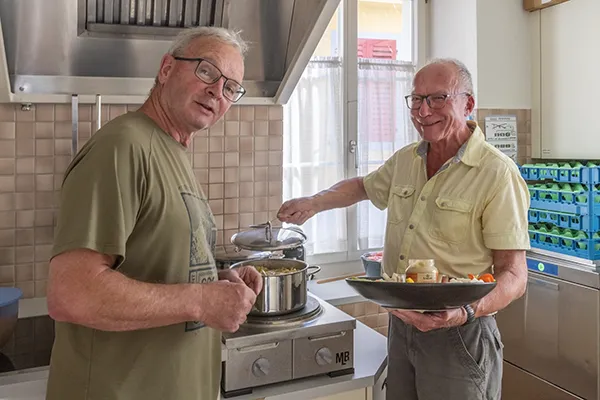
x: 323, y: 354
x: 258, y: 365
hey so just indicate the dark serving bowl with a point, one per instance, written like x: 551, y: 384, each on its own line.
x: 420, y: 296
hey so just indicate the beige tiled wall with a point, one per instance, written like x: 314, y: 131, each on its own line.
x: 370, y: 314
x: 523, y: 129
x: 238, y: 162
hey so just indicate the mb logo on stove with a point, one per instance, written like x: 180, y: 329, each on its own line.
x: 342, y: 357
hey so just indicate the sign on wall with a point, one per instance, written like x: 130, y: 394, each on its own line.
x: 501, y: 132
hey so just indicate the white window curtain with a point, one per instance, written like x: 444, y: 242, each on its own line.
x: 384, y: 127
x: 314, y: 154
x: 313, y: 149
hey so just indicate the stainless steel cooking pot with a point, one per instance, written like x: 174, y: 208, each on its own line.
x: 283, y: 293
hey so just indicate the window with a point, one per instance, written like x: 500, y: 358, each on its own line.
x: 347, y: 116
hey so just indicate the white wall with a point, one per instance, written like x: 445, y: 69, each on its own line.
x: 453, y: 32
x: 492, y: 37
x: 503, y: 54
x: 569, y: 60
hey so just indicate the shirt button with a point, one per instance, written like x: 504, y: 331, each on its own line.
x: 402, y: 257
x: 422, y: 198
x: 411, y: 226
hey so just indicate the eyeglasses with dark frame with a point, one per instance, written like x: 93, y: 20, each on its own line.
x: 434, y: 101
x: 208, y: 73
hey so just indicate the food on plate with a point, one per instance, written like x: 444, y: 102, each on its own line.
x: 274, y: 271
x: 422, y: 271
x: 375, y: 256
x: 385, y: 278
x: 394, y: 278
x: 484, y: 278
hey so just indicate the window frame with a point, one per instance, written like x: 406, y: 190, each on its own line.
x: 346, y: 261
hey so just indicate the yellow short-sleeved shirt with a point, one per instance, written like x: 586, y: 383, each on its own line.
x: 477, y: 202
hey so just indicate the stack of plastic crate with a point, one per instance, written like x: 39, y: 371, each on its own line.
x: 564, y: 216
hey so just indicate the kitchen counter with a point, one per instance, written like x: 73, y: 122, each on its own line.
x: 370, y: 352
x: 336, y: 293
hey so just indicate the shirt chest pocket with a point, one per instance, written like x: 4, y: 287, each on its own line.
x: 400, y: 203
x: 451, y: 221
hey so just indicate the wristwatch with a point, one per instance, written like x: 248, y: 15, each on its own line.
x: 470, y: 314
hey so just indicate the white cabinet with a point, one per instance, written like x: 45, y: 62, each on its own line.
x: 377, y: 392
x: 570, y: 83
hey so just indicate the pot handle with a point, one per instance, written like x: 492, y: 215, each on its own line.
x: 310, y: 275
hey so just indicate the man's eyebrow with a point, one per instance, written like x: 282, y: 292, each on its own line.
x: 214, y: 62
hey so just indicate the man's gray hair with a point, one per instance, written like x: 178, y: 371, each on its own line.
x: 224, y: 35
x: 465, y: 80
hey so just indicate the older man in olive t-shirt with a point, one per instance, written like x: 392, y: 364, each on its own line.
x: 132, y: 282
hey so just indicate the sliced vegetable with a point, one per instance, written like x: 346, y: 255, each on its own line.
x: 487, y: 278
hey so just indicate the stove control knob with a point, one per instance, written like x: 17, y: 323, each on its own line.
x: 261, y: 367
x: 324, y: 356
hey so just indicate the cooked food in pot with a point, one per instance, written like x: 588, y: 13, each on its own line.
x: 274, y: 271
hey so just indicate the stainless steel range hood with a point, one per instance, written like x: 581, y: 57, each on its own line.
x: 113, y: 47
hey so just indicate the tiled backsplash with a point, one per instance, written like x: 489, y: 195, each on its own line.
x: 370, y: 314
x: 523, y: 129
x: 238, y: 163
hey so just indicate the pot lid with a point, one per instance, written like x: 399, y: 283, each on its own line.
x: 235, y: 254
x: 268, y: 238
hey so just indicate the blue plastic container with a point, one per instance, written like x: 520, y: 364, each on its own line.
x: 372, y: 268
x: 9, y: 312
x: 9, y: 301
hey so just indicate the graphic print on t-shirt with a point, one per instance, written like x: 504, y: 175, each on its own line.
x: 202, y: 243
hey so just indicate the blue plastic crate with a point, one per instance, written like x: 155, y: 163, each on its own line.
x: 533, y: 194
x: 533, y: 216
x: 588, y: 223
x: 558, y: 207
x: 529, y: 172
x: 548, y: 172
x: 562, y: 172
x: 587, y: 249
x: 549, y: 217
x: 552, y: 197
x: 588, y: 175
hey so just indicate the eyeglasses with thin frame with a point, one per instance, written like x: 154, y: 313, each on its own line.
x: 434, y: 101
x: 208, y: 73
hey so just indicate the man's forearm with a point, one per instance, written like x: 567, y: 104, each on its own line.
x: 511, y: 283
x: 342, y: 194
x: 110, y: 301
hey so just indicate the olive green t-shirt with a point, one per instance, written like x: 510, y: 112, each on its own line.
x: 131, y: 192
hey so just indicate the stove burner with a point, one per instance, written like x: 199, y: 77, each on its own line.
x: 311, y: 311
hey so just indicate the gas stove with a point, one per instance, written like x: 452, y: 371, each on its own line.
x: 316, y: 340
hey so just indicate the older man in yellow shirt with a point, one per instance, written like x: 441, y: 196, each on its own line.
x: 454, y: 198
